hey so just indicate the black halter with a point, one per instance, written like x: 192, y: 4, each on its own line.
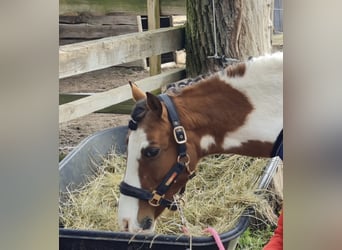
x: 156, y: 197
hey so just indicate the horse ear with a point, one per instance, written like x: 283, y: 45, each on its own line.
x: 154, y: 104
x: 137, y: 93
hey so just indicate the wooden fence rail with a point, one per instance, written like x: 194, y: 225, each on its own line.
x: 134, y: 7
x: 102, y: 100
x: 98, y: 54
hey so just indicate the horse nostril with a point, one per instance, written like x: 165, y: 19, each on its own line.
x: 146, y: 223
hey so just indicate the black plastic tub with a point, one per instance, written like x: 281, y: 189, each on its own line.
x: 82, y: 162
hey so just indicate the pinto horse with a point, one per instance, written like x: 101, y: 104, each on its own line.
x: 237, y: 110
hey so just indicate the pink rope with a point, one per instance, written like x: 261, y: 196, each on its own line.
x: 216, y: 236
x: 185, y: 230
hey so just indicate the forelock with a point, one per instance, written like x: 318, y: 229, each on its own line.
x: 139, y: 110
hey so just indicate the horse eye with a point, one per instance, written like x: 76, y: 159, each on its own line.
x: 150, y: 152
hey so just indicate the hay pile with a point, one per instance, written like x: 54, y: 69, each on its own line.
x: 223, y: 188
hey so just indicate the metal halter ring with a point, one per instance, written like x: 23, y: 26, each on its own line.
x: 187, y: 159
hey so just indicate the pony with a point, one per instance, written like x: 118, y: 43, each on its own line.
x: 237, y: 110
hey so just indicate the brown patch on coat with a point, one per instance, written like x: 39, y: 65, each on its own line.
x: 236, y: 70
x: 212, y: 104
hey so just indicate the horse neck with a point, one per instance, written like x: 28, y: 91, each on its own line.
x: 227, y: 113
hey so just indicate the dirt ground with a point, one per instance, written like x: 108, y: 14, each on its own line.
x: 73, y: 132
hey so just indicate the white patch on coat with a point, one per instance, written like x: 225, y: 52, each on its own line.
x: 206, y: 142
x: 128, y: 206
x: 262, y: 83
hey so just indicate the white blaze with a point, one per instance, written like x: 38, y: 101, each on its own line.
x: 128, y: 206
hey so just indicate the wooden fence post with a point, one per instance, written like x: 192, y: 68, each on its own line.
x: 153, y: 16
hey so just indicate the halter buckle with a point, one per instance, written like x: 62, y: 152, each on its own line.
x: 155, y: 200
x: 179, y: 134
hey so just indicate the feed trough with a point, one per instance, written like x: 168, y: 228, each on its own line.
x: 83, y: 161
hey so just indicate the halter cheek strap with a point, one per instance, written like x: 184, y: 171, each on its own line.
x: 156, y: 197
x: 178, y: 130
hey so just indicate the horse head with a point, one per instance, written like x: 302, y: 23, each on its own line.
x: 158, y: 162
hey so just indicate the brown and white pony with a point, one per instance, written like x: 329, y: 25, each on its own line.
x: 237, y: 110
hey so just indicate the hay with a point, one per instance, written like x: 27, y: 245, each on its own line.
x: 223, y: 188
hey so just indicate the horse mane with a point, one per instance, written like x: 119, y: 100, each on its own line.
x: 177, y: 87
x: 237, y: 69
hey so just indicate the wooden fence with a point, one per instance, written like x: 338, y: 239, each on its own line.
x: 82, y: 57
x: 134, y: 7
x: 98, y: 54
x: 84, y: 26
x: 114, y: 96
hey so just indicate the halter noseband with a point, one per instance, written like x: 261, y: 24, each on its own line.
x: 156, y: 197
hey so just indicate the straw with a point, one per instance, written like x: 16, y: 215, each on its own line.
x: 224, y: 187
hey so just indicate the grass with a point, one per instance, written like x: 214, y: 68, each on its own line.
x: 254, y: 239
